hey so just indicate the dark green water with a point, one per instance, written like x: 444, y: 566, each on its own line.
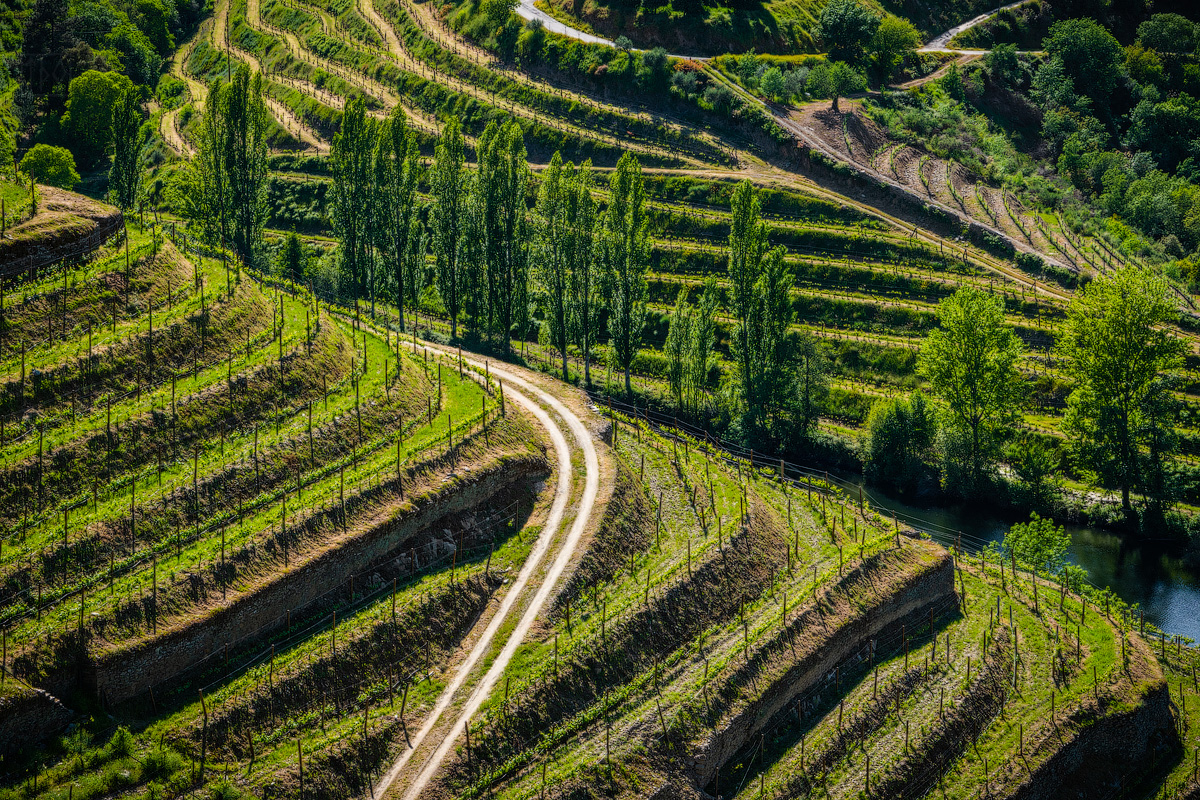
x: 1151, y: 574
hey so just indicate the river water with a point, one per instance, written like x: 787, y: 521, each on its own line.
x: 1151, y: 574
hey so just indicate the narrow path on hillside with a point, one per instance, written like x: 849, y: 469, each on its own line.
x: 398, y: 52
x: 417, y: 756
x: 939, y: 43
x: 527, y: 9
x: 169, y: 128
x: 283, y: 115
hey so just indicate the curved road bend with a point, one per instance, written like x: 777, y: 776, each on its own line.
x: 527, y: 9
x: 536, y: 401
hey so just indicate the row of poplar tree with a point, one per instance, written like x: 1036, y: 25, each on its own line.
x: 579, y: 256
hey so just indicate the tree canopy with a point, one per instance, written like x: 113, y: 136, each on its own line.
x: 1115, y: 352
x: 1090, y: 55
x: 53, y: 166
x: 87, y: 123
x: 970, y: 361
x: 1039, y: 543
x: 846, y: 27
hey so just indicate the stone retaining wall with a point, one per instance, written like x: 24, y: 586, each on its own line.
x: 28, y: 718
x: 133, y: 670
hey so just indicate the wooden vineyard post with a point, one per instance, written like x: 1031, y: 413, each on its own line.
x: 658, y: 522
x: 154, y: 583
x: 300, y: 764
x: 203, y: 735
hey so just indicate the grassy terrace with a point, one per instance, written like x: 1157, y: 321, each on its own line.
x: 309, y: 689
x: 611, y: 639
x: 913, y: 714
x: 925, y: 723
x: 244, y: 529
x: 222, y: 475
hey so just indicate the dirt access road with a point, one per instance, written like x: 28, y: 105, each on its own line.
x: 458, y: 702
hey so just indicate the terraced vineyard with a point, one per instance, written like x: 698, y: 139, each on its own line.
x: 256, y: 541
x: 868, y: 281
x: 198, y: 465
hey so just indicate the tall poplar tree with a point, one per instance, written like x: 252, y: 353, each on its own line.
x: 679, y: 337
x: 584, y: 273
x: 246, y: 152
x: 227, y: 182
x: 625, y: 253
x: 503, y: 178
x: 552, y: 267
x: 128, y: 136
x: 206, y: 194
x: 397, y: 169
x: 351, y: 161
x: 448, y: 183
x: 703, y: 332
x: 759, y: 285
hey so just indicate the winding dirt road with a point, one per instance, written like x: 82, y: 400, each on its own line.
x: 457, y: 703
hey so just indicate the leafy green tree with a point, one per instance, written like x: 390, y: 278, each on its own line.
x: 87, y: 123
x: 895, y: 39
x: 1169, y: 33
x: 129, y: 137
x: 1166, y: 129
x: 351, y: 162
x: 625, y: 253
x: 47, y: 39
x: 772, y: 83
x: 52, y: 166
x: 585, y: 274
x: 1035, y: 466
x: 845, y: 28
x: 551, y: 257
x: 503, y: 178
x: 1115, y: 348
x: 689, y: 346
x: 154, y: 19
x: 970, y: 362
x: 1053, y: 88
x: 759, y: 298
x: 497, y: 12
x: 397, y: 170
x: 1001, y: 61
x: 141, y: 61
x: 818, y: 83
x: 899, y: 443
x: 245, y: 151
x: 448, y: 181
x: 748, y: 67
x: 292, y: 259
x: 205, y: 196
x: 1039, y: 543
x: 226, y: 183
x: 952, y: 83
x: 532, y: 40
x: 1091, y: 56
x: 675, y: 348
x: 843, y: 80
x: 703, y: 330
x: 655, y: 72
